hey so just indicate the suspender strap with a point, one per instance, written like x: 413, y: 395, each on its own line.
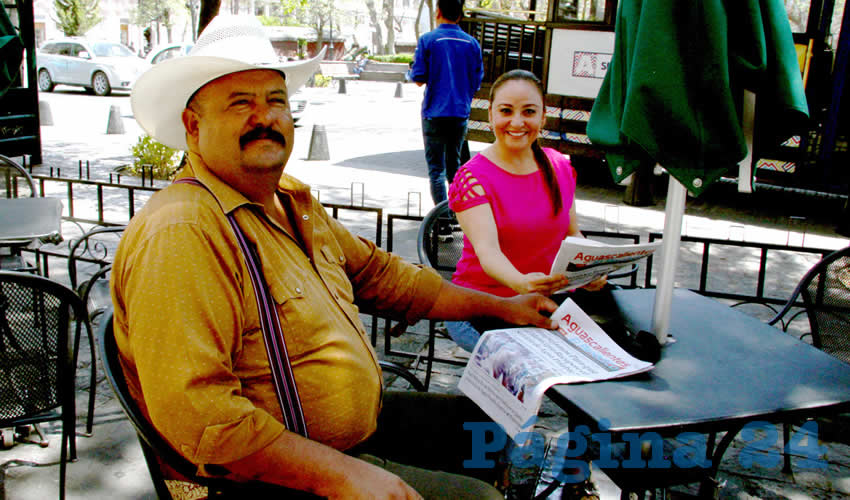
x: 284, y: 381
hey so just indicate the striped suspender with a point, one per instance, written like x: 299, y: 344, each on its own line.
x: 284, y: 382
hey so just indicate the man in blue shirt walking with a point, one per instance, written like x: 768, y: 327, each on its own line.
x: 448, y: 61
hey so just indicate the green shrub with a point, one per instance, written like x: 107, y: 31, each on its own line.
x: 320, y: 80
x: 150, y: 153
x: 393, y: 58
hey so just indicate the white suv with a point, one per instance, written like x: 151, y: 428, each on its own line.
x: 98, y: 66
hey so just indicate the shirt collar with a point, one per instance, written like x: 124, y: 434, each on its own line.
x: 229, y: 198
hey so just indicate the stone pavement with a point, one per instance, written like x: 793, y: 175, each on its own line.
x: 376, y: 159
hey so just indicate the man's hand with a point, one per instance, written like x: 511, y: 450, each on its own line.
x: 526, y: 310
x: 366, y: 481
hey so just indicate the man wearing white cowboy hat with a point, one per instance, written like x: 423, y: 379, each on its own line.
x: 187, y: 320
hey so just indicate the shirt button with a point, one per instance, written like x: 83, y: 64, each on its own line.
x: 305, y: 217
x: 341, y: 258
x: 298, y: 290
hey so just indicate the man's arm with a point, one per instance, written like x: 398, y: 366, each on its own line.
x: 459, y: 303
x: 301, y: 464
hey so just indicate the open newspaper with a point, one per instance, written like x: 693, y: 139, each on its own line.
x: 583, y: 260
x: 510, y: 369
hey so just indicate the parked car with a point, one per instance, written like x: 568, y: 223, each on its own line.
x: 98, y: 66
x: 168, y: 51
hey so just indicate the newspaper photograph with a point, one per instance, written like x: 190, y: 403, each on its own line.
x: 584, y: 260
x: 511, y: 369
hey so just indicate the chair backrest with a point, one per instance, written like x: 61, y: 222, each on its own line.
x: 155, y: 448
x: 153, y: 445
x: 89, y: 260
x: 36, y: 359
x: 441, y: 254
x: 12, y: 175
x: 825, y: 290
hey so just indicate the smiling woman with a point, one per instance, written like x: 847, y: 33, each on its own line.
x: 515, y: 203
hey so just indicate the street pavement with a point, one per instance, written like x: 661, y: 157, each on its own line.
x: 376, y: 159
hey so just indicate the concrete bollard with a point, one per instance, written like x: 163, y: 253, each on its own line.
x: 319, y: 144
x: 342, y: 86
x: 115, y: 124
x: 398, y: 89
x: 45, y: 116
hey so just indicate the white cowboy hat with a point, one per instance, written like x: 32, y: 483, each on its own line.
x: 229, y: 44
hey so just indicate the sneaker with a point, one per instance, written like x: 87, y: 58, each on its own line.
x: 584, y: 490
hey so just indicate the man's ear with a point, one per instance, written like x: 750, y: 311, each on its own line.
x: 190, y: 123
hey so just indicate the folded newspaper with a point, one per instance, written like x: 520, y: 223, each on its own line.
x: 510, y: 369
x: 583, y: 260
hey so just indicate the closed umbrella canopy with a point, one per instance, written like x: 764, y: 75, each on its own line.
x: 673, y: 92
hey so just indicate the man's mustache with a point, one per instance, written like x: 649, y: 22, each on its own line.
x: 262, y: 133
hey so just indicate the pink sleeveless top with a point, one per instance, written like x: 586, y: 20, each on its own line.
x: 529, y: 231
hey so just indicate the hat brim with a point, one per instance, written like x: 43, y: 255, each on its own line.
x: 160, y: 95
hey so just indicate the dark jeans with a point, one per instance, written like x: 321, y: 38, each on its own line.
x: 444, y: 138
x: 424, y: 431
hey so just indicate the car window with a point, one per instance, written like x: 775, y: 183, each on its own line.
x: 108, y: 49
x: 63, y: 49
x: 50, y: 48
x: 76, y: 49
x: 166, y: 55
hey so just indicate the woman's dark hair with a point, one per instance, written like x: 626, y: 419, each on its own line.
x: 539, y: 156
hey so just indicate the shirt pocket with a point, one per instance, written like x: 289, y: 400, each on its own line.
x: 332, y: 270
x: 303, y: 322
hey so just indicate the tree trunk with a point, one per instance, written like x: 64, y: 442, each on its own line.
x: 389, y: 21
x: 320, y: 39
x: 418, y: 17
x: 373, y: 21
x: 209, y: 9
x: 432, y: 16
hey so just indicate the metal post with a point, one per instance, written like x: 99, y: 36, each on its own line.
x: 673, y: 215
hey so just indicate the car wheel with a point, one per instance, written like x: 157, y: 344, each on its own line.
x: 45, y: 83
x: 100, y: 84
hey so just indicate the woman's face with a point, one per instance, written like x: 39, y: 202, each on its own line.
x: 517, y: 114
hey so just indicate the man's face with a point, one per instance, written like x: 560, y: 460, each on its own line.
x: 241, y: 123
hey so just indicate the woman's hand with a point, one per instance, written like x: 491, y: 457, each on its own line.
x: 544, y: 284
x: 595, y: 286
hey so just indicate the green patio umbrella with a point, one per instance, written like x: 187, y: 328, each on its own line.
x: 673, y: 95
x: 11, y: 51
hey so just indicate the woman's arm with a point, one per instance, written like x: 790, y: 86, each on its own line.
x: 479, y: 226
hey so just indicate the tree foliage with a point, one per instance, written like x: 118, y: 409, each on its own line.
x: 76, y: 17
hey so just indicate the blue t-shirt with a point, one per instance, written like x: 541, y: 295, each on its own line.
x: 448, y: 62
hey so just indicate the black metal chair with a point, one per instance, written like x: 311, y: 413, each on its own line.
x: 12, y: 174
x: 825, y: 294
x: 157, y: 451
x: 90, y: 255
x: 92, y: 248
x: 36, y: 356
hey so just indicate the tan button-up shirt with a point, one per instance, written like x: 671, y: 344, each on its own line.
x: 187, y: 327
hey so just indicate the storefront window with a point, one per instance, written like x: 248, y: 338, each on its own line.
x: 580, y: 10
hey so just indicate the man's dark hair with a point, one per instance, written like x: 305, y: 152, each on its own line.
x: 452, y: 9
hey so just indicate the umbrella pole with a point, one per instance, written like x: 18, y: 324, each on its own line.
x: 674, y: 212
